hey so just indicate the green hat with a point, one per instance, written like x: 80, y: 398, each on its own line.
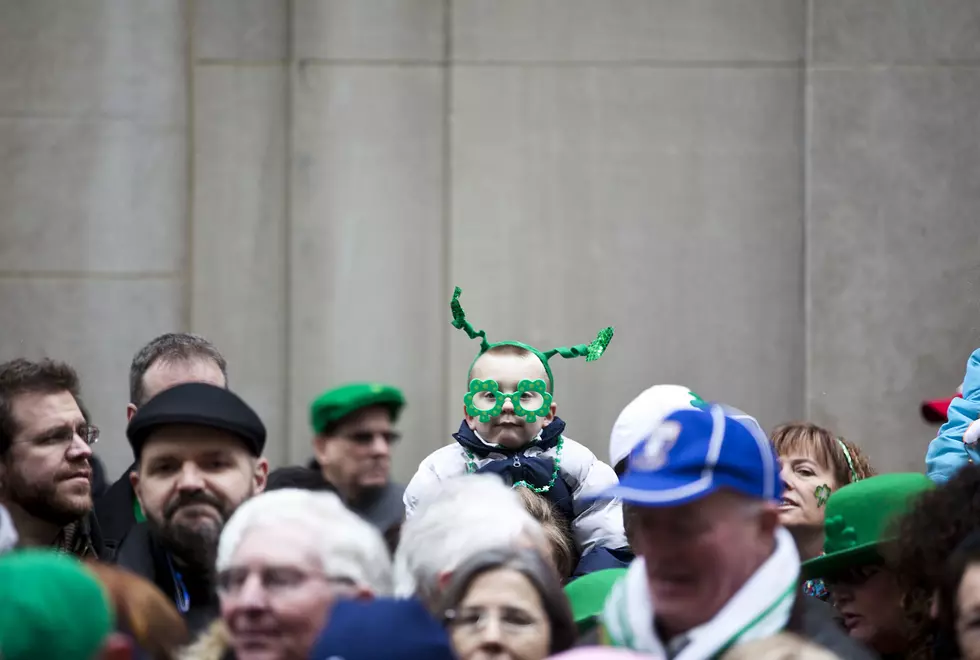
x: 587, y: 594
x: 860, y: 517
x: 334, y: 405
x: 591, y: 351
x: 52, y: 607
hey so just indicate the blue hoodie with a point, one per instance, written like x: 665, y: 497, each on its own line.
x: 948, y: 453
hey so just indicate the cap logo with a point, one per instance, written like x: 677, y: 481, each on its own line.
x: 653, y: 455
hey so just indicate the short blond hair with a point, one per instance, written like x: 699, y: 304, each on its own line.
x: 555, y: 528
x: 784, y: 646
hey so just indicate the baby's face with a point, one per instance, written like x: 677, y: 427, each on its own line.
x: 508, y: 370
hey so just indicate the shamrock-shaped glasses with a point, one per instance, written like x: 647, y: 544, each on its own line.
x: 485, y: 400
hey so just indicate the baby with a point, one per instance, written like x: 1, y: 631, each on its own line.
x: 511, y: 427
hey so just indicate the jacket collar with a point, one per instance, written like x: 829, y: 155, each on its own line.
x: 469, y: 440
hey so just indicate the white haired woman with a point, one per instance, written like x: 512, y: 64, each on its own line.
x: 464, y: 517
x: 284, y: 558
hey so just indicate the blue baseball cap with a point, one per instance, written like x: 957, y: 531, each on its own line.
x: 382, y: 629
x: 694, y: 453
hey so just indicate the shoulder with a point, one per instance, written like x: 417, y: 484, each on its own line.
x: 581, y: 464
x: 445, y: 461
x: 576, y: 451
x: 213, y: 644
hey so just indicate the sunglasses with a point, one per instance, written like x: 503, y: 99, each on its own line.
x: 367, y: 437
x: 854, y: 576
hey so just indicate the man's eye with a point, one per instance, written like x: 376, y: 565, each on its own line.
x: 215, y: 465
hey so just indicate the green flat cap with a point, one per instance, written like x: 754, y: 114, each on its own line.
x: 587, y: 594
x: 332, y: 406
x: 861, y: 517
x: 53, y: 607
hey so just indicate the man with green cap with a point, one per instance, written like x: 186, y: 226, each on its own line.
x: 354, y: 431
x: 859, y: 526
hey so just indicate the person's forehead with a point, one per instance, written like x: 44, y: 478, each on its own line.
x: 717, y: 505
x: 500, y: 585
x: 164, y: 374
x: 188, y: 441
x: 285, y: 542
x: 35, y: 411
x: 502, y: 366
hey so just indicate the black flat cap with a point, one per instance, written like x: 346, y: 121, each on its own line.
x: 197, y: 404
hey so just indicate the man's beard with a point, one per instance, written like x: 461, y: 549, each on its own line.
x: 41, y: 500
x: 194, y: 546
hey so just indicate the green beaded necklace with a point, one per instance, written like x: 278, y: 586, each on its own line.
x: 471, y: 468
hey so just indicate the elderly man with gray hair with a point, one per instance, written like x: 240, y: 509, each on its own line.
x: 284, y: 558
x: 714, y: 569
x: 465, y: 516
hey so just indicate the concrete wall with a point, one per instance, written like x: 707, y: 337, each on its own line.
x: 893, y: 215
x: 771, y: 200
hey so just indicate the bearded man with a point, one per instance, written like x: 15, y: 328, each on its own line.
x: 45, y: 457
x: 198, y: 450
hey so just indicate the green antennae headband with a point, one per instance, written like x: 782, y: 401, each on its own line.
x: 591, y: 351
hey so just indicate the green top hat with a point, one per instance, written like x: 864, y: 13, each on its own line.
x: 860, y: 518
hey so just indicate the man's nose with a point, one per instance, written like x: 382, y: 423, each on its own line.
x: 190, y: 478
x: 380, y: 446
x: 79, y: 449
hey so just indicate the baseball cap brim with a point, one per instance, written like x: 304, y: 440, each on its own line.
x: 936, y: 410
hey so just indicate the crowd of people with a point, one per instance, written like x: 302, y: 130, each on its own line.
x: 699, y: 535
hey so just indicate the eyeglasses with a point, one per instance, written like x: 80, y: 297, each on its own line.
x: 510, y: 619
x: 275, y: 580
x: 65, y: 435
x: 367, y: 437
x: 852, y: 577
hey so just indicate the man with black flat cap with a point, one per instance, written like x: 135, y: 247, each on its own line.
x: 198, y: 452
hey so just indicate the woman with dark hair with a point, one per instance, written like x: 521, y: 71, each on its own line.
x: 929, y: 533
x: 507, y: 603
x: 959, y: 600
x: 860, y: 531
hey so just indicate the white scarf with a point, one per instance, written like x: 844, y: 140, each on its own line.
x: 8, y: 534
x: 760, y: 609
